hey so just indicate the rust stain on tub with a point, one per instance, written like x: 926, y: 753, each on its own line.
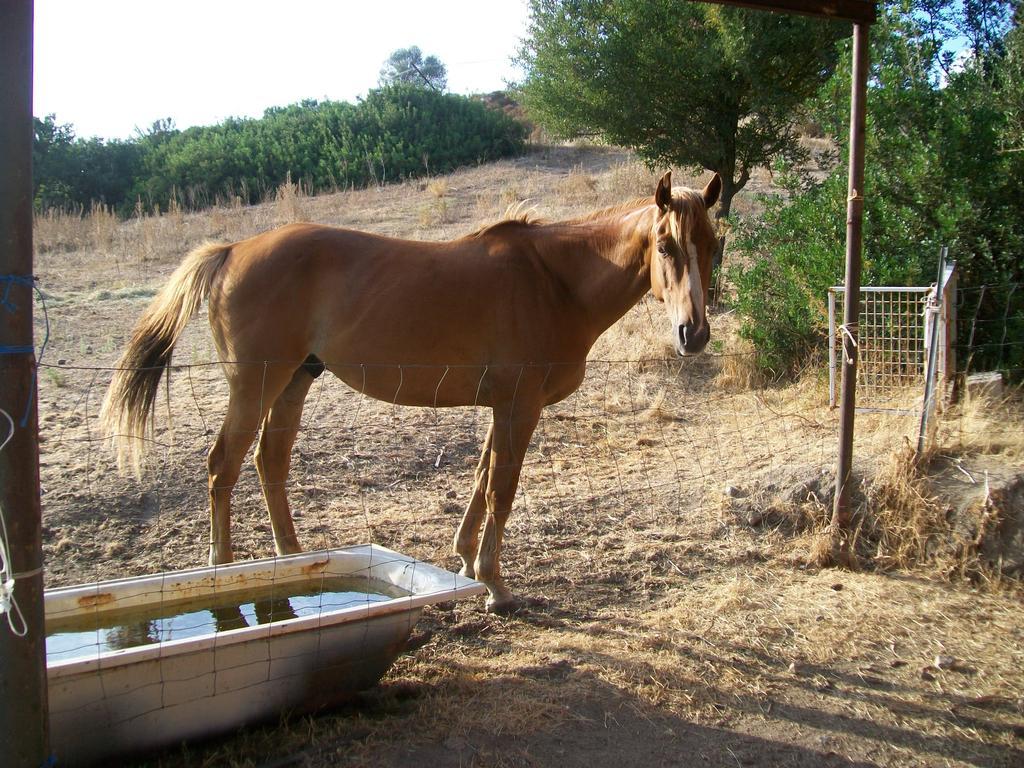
x: 315, y: 567
x: 94, y: 601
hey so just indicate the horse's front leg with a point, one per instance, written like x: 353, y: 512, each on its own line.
x: 467, y: 537
x: 511, y: 434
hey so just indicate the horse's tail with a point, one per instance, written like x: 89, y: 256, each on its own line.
x: 128, y: 406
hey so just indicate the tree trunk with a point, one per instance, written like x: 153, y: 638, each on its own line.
x: 724, y: 206
x: 730, y: 187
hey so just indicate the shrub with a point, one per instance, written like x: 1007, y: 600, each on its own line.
x: 396, y: 132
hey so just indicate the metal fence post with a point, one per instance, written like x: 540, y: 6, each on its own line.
x: 831, y: 348
x: 841, y: 552
x: 23, y: 713
x: 931, y: 334
x: 947, y: 354
x: 935, y: 329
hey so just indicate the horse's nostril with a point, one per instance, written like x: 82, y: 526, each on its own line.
x: 693, y: 339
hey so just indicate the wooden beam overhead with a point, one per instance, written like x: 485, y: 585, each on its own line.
x: 858, y: 11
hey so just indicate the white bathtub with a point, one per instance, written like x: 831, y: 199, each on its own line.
x: 113, y: 702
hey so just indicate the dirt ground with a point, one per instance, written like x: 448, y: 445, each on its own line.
x: 663, y: 626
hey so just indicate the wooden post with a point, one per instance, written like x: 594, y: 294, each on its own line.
x: 863, y: 13
x: 841, y: 552
x: 23, y: 713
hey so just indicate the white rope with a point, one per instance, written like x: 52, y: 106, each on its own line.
x: 853, y: 342
x: 8, y: 605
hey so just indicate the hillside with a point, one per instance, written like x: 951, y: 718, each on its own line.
x: 676, y: 613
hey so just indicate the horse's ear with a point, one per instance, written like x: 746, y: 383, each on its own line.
x: 663, y: 194
x: 712, y: 191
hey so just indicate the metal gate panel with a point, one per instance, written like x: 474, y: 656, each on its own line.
x: 891, y: 345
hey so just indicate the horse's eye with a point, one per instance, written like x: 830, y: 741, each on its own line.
x: 662, y: 249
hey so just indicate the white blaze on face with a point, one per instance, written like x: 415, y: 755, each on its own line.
x: 675, y: 310
x: 696, y: 290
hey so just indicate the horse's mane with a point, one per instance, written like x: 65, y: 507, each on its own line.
x: 517, y: 215
x: 611, y: 210
x: 527, y: 217
x: 690, y: 196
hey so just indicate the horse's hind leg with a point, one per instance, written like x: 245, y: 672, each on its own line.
x: 274, y: 457
x: 466, y: 537
x: 252, y: 389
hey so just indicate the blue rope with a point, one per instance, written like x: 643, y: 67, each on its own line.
x: 25, y: 349
x: 26, y: 280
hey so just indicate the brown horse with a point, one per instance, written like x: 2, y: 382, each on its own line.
x: 503, y: 317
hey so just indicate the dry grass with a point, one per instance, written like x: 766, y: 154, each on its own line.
x: 288, y: 201
x: 103, y: 223
x: 579, y: 188
x: 58, y: 230
x: 903, y: 521
x: 985, y: 426
x: 438, y: 187
x: 739, y: 371
x: 636, y: 337
x: 631, y: 179
x: 434, y: 213
x: 909, y: 521
x: 909, y: 514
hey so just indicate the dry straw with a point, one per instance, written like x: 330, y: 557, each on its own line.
x: 289, y: 201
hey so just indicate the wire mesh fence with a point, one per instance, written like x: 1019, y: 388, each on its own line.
x: 649, y: 454
x: 990, y: 334
x: 639, y: 440
x: 645, y: 448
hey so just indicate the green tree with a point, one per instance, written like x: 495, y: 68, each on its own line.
x: 409, y: 66
x: 939, y: 171
x: 69, y: 172
x: 51, y: 162
x: 686, y: 84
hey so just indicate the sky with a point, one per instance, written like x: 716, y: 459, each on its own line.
x: 111, y: 67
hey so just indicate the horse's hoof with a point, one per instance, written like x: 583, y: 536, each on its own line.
x: 505, y: 605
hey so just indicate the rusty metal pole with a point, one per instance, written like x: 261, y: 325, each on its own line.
x: 23, y: 712
x: 841, y: 552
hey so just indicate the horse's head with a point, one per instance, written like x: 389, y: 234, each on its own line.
x: 683, y: 244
